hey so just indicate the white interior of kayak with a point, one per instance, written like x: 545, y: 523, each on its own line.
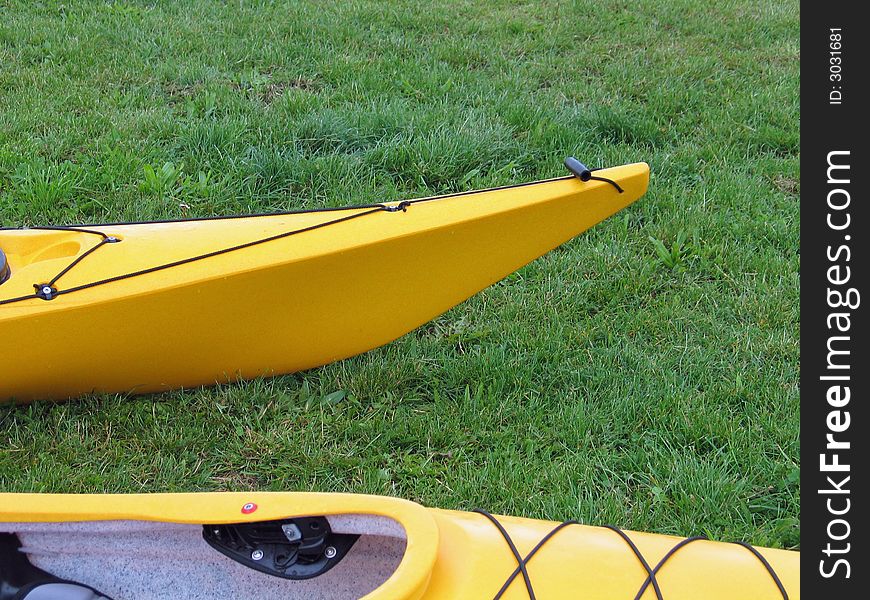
x: 129, y: 560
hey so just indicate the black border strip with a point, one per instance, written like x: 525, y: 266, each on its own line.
x: 833, y: 260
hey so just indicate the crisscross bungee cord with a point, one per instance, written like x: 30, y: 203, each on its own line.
x: 49, y: 291
x: 522, y: 562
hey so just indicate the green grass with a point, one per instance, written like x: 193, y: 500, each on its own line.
x: 645, y: 374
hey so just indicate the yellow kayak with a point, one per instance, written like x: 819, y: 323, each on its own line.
x: 144, y: 307
x: 263, y: 546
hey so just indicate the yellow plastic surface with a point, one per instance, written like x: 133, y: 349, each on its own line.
x: 461, y: 555
x: 279, y: 307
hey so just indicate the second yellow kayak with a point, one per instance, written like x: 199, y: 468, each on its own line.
x: 268, y: 546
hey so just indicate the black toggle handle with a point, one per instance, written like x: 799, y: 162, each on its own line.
x: 578, y: 168
x: 584, y: 173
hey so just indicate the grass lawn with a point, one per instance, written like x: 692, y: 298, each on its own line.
x: 644, y: 374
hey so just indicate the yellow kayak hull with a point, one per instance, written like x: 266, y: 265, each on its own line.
x: 293, y: 303
x: 439, y: 554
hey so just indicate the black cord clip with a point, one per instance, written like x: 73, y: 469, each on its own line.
x: 45, y: 291
x: 584, y: 173
x: 401, y: 206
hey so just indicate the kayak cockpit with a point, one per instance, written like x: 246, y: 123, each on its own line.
x: 339, y: 556
x: 30, y: 256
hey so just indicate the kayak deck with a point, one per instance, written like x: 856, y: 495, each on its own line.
x: 78, y: 258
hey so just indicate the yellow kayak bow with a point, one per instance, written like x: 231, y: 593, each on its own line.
x: 144, y: 307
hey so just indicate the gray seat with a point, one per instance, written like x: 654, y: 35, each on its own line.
x: 21, y: 580
x: 60, y: 591
x: 4, y: 267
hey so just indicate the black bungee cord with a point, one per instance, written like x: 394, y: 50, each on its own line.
x: 522, y: 562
